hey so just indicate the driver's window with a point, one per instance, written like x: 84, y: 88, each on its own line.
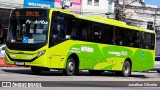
x: 58, y: 29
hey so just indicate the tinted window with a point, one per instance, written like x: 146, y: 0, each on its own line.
x: 126, y: 37
x: 133, y: 38
x: 79, y: 29
x: 61, y: 27
x: 58, y: 28
x: 148, y: 40
x: 96, y: 33
x: 100, y: 33
x: 107, y: 34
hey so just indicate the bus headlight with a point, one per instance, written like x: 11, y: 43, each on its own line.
x: 41, y: 53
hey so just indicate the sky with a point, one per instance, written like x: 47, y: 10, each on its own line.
x: 153, y: 2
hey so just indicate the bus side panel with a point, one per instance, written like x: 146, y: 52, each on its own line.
x: 115, y: 56
x: 99, y: 56
x: 89, y: 55
x: 144, y: 60
x: 58, y: 54
x: 42, y: 61
x: 55, y: 62
x: 95, y: 56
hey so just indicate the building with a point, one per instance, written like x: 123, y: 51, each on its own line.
x: 5, y: 7
x: 104, y: 8
x: 72, y: 5
x: 138, y: 14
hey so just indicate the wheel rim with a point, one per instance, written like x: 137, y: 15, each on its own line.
x: 126, y: 69
x: 71, y: 66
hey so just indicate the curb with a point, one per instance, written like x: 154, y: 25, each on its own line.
x: 3, y: 64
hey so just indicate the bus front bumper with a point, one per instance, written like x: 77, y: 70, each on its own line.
x: 40, y: 61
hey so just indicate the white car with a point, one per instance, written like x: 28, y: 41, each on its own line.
x: 2, y: 50
x: 157, y: 64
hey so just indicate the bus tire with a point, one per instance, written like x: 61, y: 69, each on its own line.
x: 126, y: 70
x: 95, y: 72
x: 70, y: 67
x: 36, y: 70
x: 158, y: 71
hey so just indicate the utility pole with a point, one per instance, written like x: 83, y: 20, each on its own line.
x: 155, y: 17
x: 123, y: 11
x: 123, y: 8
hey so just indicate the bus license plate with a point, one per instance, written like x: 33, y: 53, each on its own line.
x: 19, y: 63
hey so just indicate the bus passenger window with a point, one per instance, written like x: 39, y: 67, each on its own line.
x: 73, y: 33
x: 136, y: 42
x: 107, y: 40
x: 148, y: 40
x: 84, y: 34
x: 79, y: 34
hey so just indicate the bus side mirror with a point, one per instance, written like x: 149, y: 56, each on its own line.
x: 67, y: 37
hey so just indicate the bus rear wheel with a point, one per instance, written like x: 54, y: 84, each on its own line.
x: 70, y: 67
x: 95, y: 72
x: 36, y: 70
x: 126, y: 71
x: 158, y: 71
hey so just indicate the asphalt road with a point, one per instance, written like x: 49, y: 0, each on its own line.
x: 79, y: 82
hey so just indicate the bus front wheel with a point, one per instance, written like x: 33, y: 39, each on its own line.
x: 36, y: 70
x: 70, y: 67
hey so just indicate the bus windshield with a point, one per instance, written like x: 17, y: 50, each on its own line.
x: 28, y: 30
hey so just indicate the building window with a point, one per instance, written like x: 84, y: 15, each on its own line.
x: 150, y: 25
x: 89, y: 2
x: 96, y: 2
x: 110, y: 5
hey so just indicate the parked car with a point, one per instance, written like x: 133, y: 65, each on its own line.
x: 157, y: 64
x: 2, y: 50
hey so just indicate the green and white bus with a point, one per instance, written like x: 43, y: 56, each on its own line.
x: 59, y: 39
